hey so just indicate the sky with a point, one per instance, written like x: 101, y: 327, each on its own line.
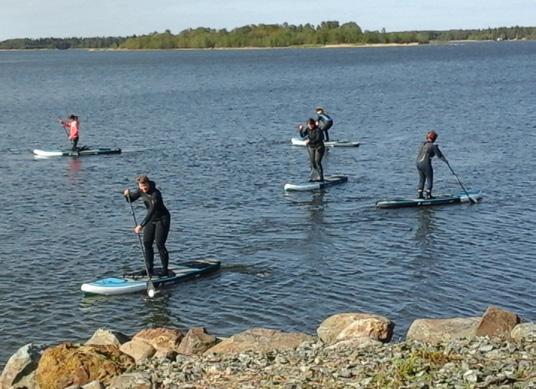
x: 87, y: 18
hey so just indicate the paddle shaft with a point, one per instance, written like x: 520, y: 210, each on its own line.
x: 150, y: 282
x: 459, y: 182
x: 64, y: 129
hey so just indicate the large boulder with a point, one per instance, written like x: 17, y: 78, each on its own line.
x: 162, y: 339
x: 524, y: 331
x: 196, y: 342
x: 107, y: 337
x: 497, y: 322
x: 138, y: 350
x: 67, y: 364
x: 439, y: 330
x: 354, y: 343
x: 260, y: 339
x: 355, y: 325
x: 20, y: 365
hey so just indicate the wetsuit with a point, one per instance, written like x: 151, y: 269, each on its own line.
x: 427, y: 151
x: 316, y: 150
x: 325, y: 122
x: 155, y: 226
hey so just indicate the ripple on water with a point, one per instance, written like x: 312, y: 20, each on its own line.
x: 290, y: 260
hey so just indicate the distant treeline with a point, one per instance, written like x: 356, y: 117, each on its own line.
x: 270, y: 35
x: 63, y: 43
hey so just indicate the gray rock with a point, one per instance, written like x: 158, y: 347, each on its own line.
x: 138, y: 349
x: 196, y: 341
x: 524, y: 331
x: 20, y: 364
x: 260, y: 339
x: 108, y: 337
x: 440, y: 330
x: 135, y: 380
x: 355, y: 325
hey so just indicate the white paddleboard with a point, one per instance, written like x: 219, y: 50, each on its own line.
x: 81, y: 152
x: 315, y: 185
x: 331, y: 143
x: 137, y: 282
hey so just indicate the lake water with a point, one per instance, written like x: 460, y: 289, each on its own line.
x: 213, y: 129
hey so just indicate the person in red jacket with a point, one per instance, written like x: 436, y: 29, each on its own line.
x: 73, y: 125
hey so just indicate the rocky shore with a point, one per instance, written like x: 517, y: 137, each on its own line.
x: 349, y: 350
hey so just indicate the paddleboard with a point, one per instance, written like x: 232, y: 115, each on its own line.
x: 437, y: 200
x: 85, y: 150
x: 315, y: 185
x: 331, y: 143
x: 137, y: 281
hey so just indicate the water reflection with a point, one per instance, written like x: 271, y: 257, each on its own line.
x: 74, y: 167
x: 158, y: 312
x: 425, y: 227
x: 316, y: 208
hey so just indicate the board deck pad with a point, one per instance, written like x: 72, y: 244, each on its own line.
x: 445, y: 199
x: 316, y: 185
x: 331, y: 143
x: 137, y: 281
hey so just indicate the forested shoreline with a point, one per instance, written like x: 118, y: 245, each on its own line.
x: 270, y: 35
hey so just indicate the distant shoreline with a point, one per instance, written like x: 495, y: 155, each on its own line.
x: 331, y: 46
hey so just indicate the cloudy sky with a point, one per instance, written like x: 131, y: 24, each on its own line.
x: 84, y: 18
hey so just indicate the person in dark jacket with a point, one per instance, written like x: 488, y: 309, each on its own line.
x: 315, y: 148
x: 155, y: 224
x: 427, y: 151
x: 324, y: 121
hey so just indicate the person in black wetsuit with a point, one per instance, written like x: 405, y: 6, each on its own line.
x: 315, y: 148
x: 324, y: 121
x: 427, y: 151
x: 156, y: 223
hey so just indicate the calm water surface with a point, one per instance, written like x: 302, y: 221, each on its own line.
x: 212, y: 128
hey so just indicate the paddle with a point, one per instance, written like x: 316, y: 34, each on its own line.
x: 62, y: 126
x: 459, y: 182
x: 150, y: 285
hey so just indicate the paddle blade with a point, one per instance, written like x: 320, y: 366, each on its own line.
x: 151, y: 290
